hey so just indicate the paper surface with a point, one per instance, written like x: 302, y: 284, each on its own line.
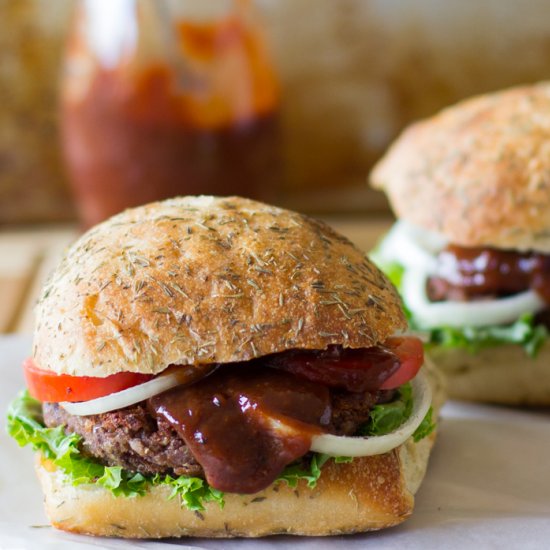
x: 487, y: 486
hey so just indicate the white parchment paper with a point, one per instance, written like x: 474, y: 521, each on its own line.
x: 488, y: 486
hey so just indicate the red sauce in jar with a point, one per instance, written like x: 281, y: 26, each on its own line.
x: 470, y: 273
x: 137, y: 133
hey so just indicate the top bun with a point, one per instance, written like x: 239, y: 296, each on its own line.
x: 196, y: 280
x: 479, y: 172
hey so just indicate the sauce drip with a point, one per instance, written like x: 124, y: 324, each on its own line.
x: 470, y: 273
x: 244, y: 424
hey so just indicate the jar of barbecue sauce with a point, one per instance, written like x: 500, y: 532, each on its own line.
x: 163, y: 98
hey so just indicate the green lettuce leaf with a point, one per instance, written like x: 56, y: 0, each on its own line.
x: 426, y: 427
x: 394, y: 272
x: 193, y: 491
x: 523, y: 332
x: 24, y: 424
x: 122, y: 483
x: 310, y: 473
x: 387, y: 417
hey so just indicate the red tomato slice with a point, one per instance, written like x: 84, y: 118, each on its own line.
x: 357, y: 370
x: 47, y: 386
x: 411, y: 355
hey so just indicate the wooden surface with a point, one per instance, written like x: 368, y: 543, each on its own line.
x: 27, y: 256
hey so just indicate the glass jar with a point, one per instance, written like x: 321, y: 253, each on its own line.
x: 163, y: 98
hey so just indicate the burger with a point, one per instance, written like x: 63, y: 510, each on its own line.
x: 470, y: 251
x: 219, y: 367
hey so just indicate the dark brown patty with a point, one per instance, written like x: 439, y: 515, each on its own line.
x: 139, y: 442
x: 473, y: 273
x: 130, y: 438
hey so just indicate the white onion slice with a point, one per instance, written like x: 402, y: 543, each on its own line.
x: 129, y: 396
x: 411, y: 246
x: 459, y: 314
x: 335, y: 445
x: 415, y: 249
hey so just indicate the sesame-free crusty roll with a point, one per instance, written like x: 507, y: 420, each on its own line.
x: 197, y: 280
x: 477, y: 173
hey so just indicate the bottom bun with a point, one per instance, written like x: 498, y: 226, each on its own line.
x: 501, y: 374
x: 366, y: 494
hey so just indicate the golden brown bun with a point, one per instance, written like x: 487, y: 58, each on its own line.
x: 477, y: 173
x: 500, y: 374
x: 197, y: 280
x: 367, y: 494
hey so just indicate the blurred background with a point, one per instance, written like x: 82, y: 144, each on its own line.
x: 337, y: 81
x: 105, y: 105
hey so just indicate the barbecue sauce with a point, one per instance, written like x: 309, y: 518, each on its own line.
x: 244, y: 424
x: 470, y: 273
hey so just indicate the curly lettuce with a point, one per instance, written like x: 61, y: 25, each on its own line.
x: 524, y: 332
x: 387, y: 417
x: 24, y: 424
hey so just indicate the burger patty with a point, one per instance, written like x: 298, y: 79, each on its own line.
x: 140, y: 442
x: 470, y: 273
x: 130, y: 437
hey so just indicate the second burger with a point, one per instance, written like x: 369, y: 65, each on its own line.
x: 470, y: 252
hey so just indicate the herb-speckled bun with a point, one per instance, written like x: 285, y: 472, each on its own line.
x: 477, y: 173
x: 369, y: 493
x: 197, y: 280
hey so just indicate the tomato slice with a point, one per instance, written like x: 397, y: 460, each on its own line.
x: 411, y: 356
x: 47, y: 386
x: 369, y: 369
x: 357, y: 370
